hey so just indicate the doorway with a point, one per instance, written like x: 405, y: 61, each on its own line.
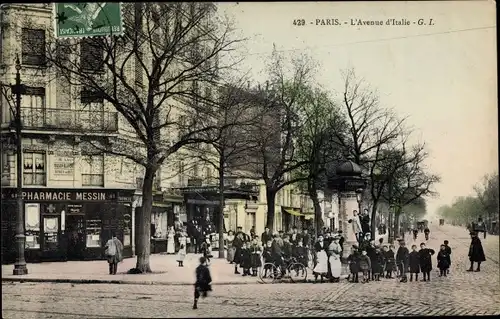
x: 75, y: 232
x: 51, y: 238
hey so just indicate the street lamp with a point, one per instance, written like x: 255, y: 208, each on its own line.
x: 20, y: 264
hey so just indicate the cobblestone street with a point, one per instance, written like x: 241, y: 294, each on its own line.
x: 462, y: 293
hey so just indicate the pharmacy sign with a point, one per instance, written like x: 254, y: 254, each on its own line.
x: 88, y: 19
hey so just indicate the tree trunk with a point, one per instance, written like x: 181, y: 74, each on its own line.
x: 144, y: 227
x: 318, y: 216
x: 397, y: 216
x: 373, y: 226
x: 270, y: 197
x: 221, y: 206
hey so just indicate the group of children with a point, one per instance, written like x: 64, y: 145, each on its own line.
x: 373, y: 261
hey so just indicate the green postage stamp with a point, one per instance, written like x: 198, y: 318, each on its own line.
x: 88, y: 19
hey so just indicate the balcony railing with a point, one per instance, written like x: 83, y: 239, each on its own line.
x: 69, y: 120
x: 92, y: 179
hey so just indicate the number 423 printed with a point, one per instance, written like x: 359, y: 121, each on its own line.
x: 299, y: 22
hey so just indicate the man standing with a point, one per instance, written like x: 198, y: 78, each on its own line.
x: 294, y: 236
x: 365, y: 222
x: 266, y: 236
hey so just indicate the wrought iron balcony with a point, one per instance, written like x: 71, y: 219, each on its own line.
x: 69, y: 120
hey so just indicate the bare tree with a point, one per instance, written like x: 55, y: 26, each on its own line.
x: 373, y: 132
x: 275, y: 135
x: 409, y: 183
x: 153, y: 76
x: 318, y: 145
x: 229, y: 144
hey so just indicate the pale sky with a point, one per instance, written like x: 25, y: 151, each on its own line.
x: 442, y: 76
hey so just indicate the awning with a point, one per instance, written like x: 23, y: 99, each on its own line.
x: 293, y: 212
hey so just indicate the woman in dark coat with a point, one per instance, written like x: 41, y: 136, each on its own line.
x: 476, y: 252
x: 425, y: 255
x: 237, y: 244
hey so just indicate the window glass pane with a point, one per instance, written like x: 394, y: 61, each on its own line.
x: 39, y: 162
x: 86, y: 162
x: 97, y: 164
x: 28, y: 162
x: 94, y: 232
x: 32, y: 225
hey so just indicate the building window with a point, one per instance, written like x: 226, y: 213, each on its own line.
x: 92, y: 167
x: 33, y: 168
x: 180, y: 175
x: 33, y: 107
x: 196, y: 171
x: 33, y: 47
x: 32, y: 225
x: 92, y: 114
x: 92, y: 55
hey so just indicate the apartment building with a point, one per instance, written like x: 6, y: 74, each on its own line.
x: 75, y: 196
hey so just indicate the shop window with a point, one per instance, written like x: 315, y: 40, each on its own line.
x: 32, y: 225
x: 94, y: 227
x: 92, y: 167
x: 33, y: 168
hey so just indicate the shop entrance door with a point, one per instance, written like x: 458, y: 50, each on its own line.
x: 50, y: 243
x: 75, y: 230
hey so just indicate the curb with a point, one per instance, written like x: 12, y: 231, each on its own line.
x: 127, y: 282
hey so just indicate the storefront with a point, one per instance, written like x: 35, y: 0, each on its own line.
x: 202, y: 206
x: 163, y: 211
x: 67, y: 224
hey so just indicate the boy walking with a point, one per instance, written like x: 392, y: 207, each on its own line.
x: 203, y: 281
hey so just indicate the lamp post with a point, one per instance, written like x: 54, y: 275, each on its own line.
x: 20, y: 264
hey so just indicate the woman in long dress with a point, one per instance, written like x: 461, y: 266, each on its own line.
x: 171, y: 241
x: 230, y: 249
x: 321, y: 266
x: 334, y: 251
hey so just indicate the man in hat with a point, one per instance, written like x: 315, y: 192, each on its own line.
x: 266, y: 236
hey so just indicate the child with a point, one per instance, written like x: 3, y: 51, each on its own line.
x: 181, y: 254
x: 267, y: 257
x: 246, y: 262
x: 414, y: 263
x: 353, y: 260
x: 390, y: 261
x: 206, y: 249
x: 203, y: 281
x: 425, y: 261
x: 448, y: 250
x: 443, y: 261
x: 365, y: 266
x: 300, y: 253
x: 255, y: 252
x: 378, y: 264
x: 402, y: 256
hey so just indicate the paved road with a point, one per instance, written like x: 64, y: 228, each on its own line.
x: 461, y: 293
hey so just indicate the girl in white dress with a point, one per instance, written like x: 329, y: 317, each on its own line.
x: 181, y: 254
x: 171, y: 241
x: 321, y: 267
x: 335, y: 264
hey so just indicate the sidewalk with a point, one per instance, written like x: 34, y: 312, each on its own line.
x: 165, y: 272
